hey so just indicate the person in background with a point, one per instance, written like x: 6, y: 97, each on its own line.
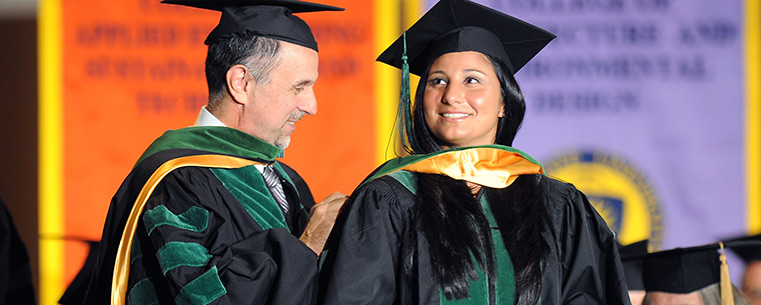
x: 688, y: 276
x: 208, y: 215
x: 749, y: 249
x: 465, y: 218
x: 631, y: 259
x: 16, y: 285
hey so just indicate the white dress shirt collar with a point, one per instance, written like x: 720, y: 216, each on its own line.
x: 205, y: 118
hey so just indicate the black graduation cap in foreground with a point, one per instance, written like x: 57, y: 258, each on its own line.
x: 632, y: 259
x: 747, y: 247
x: 462, y: 25
x: 268, y: 18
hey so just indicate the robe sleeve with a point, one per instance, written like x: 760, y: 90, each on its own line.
x: 366, y: 267
x: 199, y: 246
x: 590, y: 270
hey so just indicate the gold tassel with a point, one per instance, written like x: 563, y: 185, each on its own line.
x: 726, y: 285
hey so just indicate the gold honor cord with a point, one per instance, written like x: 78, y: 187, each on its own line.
x: 489, y: 167
x: 121, y: 265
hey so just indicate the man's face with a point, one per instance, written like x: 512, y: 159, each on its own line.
x: 752, y: 283
x: 275, y: 106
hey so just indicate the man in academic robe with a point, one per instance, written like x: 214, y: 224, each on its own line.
x: 208, y: 215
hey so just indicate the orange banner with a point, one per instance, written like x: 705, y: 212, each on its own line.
x: 133, y: 69
x: 334, y: 150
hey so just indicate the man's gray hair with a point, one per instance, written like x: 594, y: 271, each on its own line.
x: 258, y: 54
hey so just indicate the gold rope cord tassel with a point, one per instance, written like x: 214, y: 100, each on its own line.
x: 726, y: 285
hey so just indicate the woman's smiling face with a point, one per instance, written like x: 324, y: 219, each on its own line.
x: 463, y: 100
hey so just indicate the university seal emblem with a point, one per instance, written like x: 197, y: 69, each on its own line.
x: 619, y: 192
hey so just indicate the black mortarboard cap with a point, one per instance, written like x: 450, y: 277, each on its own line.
x: 747, y: 247
x: 462, y: 25
x: 268, y: 18
x: 682, y: 270
x: 632, y: 259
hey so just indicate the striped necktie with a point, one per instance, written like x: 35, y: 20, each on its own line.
x: 276, y: 188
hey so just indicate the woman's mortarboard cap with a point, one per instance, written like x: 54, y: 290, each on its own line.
x: 462, y: 25
x: 268, y: 18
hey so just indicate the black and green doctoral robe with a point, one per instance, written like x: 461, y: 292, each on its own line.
x: 362, y: 261
x: 209, y: 235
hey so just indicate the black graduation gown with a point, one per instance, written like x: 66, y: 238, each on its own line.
x: 362, y: 262
x: 209, y: 235
x: 16, y: 285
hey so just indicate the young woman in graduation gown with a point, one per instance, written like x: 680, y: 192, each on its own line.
x: 466, y: 218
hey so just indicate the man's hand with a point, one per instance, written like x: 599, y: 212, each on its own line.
x: 321, y: 219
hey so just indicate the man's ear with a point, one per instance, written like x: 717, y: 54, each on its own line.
x: 238, y: 83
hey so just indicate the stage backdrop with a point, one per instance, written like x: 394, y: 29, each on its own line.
x: 114, y: 75
x: 642, y: 104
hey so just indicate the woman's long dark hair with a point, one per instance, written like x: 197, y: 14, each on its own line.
x: 454, y: 224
